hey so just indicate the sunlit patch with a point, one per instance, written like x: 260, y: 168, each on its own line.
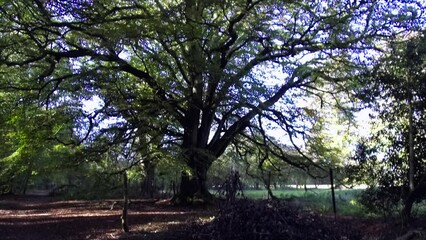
x: 32, y: 214
x: 144, y: 219
x: 205, y: 220
x: 54, y: 214
x: 156, y: 227
x: 159, y: 213
x: 41, y: 221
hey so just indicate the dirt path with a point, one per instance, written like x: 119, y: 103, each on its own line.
x: 35, y: 218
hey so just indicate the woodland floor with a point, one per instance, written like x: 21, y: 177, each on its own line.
x: 44, y: 218
x: 37, y: 218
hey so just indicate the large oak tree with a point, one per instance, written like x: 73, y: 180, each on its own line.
x: 197, y: 68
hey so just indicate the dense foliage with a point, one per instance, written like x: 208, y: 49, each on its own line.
x: 393, y: 159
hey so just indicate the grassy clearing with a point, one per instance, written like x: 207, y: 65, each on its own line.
x: 317, y: 199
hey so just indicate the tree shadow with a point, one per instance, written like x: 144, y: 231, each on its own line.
x: 44, y: 219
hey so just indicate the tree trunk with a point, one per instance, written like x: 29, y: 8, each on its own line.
x: 409, y: 200
x: 411, y: 164
x: 200, y: 166
x: 333, y: 196
x: 267, y: 182
x: 27, y: 178
x: 201, y: 176
x: 195, y: 185
x: 25, y: 182
x: 406, y: 210
x: 124, y: 224
x: 419, y: 192
x: 148, y: 188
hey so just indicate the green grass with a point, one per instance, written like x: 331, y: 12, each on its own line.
x: 320, y: 200
x: 317, y: 199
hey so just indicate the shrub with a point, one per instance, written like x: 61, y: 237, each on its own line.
x: 381, y: 200
x: 254, y: 219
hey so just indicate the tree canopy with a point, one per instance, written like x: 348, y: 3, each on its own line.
x: 200, y: 72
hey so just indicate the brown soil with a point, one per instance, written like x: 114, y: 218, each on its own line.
x: 35, y: 218
x: 44, y: 218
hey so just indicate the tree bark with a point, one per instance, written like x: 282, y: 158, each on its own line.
x: 25, y: 182
x: 195, y: 185
x: 419, y: 192
x: 409, y: 200
x: 27, y: 178
x: 267, y: 182
x: 411, y: 148
x: 333, y: 196
x: 148, y: 186
x: 124, y: 223
x: 406, y: 210
x: 200, y: 167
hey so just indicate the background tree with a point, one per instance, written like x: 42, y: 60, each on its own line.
x: 396, y: 89
x: 201, y: 64
x: 30, y: 150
